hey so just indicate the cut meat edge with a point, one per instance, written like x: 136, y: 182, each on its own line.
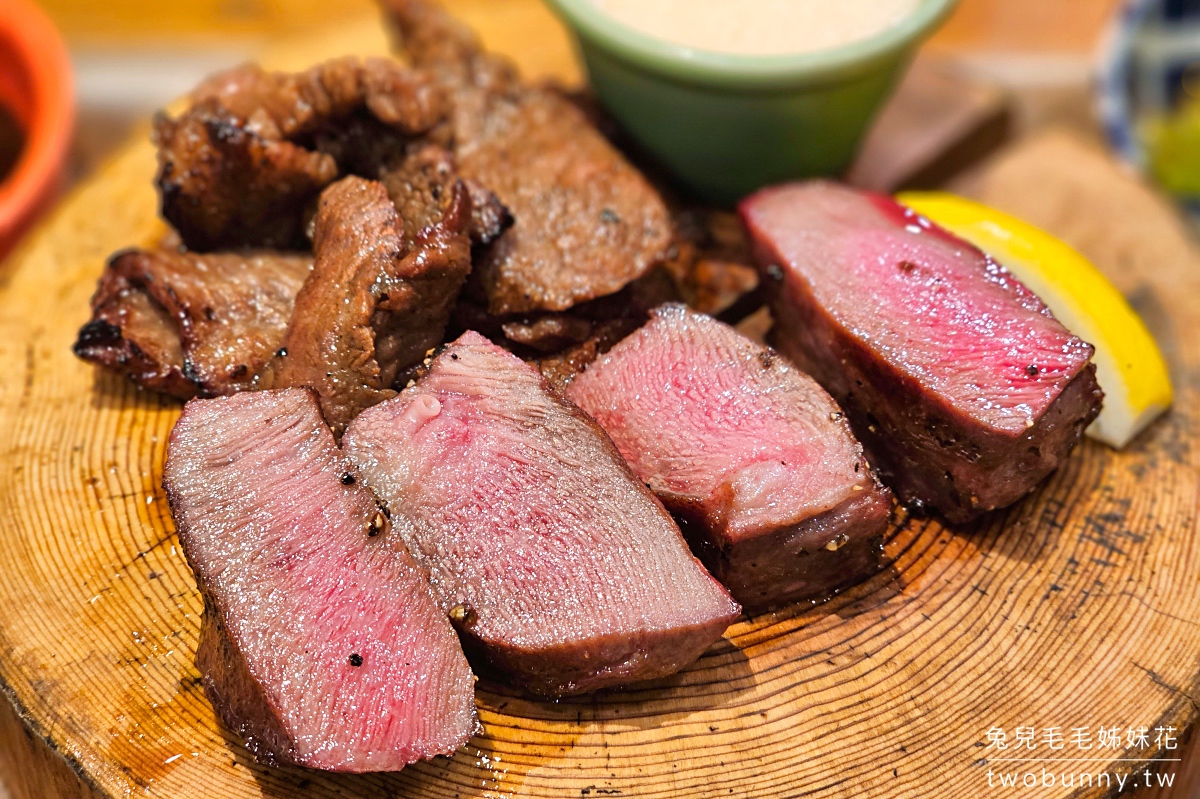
x: 236, y: 686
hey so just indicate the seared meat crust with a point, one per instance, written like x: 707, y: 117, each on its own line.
x: 189, y: 324
x: 377, y: 300
x: 587, y: 222
x: 235, y: 169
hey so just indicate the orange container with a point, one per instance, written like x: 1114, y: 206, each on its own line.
x: 37, y: 88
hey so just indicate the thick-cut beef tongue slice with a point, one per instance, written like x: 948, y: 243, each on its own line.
x: 587, y: 222
x: 187, y: 323
x: 376, y: 300
x: 551, y: 557
x: 962, y: 385
x: 322, y: 645
x: 751, y: 453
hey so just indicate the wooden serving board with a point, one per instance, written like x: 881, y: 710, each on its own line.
x: 1078, y: 607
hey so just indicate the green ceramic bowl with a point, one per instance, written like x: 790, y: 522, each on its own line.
x: 726, y: 124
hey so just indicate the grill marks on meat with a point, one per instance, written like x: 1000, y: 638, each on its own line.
x: 187, y: 324
x: 587, y: 222
x: 234, y: 169
x: 321, y: 645
x: 376, y: 302
x: 556, y: 563
x: 751, y: 453
x: 960, y: 382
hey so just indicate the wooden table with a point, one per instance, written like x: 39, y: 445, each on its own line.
x: 1079, y: 606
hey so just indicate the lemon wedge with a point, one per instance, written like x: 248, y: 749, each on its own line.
x: 1129, y: 366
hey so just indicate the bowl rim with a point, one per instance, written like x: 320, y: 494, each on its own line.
x: 45, y: 67
x: 744, y: 71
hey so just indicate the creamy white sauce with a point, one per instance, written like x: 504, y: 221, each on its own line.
x: 760, y: 27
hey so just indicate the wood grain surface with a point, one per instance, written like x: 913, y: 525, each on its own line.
x: 1079, y: 606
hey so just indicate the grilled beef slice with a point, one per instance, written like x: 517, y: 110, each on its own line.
x: 750, y: 453
x: 188, y: 324
x: 562, y: 343
x: 587, y: 222
x: 376, y: 301
x: 321, y: 645
x: 553, y: 560
x: 964, y: 388
x: 712, y: 260
x: 416, y: 173
x: 236, y: 169
x: 418, y: 182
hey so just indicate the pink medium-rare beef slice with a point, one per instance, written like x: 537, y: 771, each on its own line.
x: 555, y: 562
x: 322, y: 645
x: 751, y: 454
x: 964, y: 388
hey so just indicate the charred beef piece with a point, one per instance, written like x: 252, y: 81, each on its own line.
x: 712, y: 262
x: 611, y: 319
x: 554, y: 561
x: 187, y: 324
x: 285, y: 106
x: 710, y: 257
x: 587, y: 222
x: 750, y: 453
x: 961, y: 384
x: 415, y: 172
x: 552, y: 332
x: 234, y: 169
x: 222, y: 186
x: 490, y: 217
x: 190, y: 324
x: 563, y: 343
x: 321, y: 644
x: 419, y: 183
x: 376, y: 302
